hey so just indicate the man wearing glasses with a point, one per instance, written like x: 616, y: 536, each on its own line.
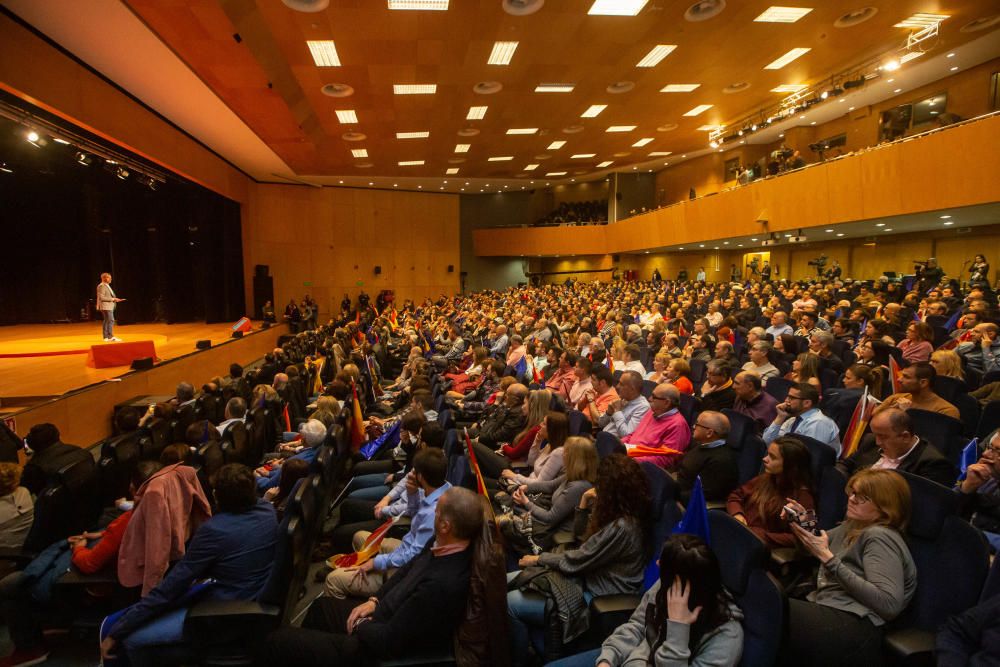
x: 712, y: 459
x: 979, y: 492
x: 663, y: 426
x: 798, y: 415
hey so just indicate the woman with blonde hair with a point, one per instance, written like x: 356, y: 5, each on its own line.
x: 546, y: 454
x: 327, y: 410
x: 805, y: 368
x: 947, y: 363
x: 867, y: 576
x: 660, y: 363
x: 492, y: 463
x: 17, y: 509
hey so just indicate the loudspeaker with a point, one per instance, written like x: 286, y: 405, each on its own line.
x: 260, y: 270
x: 237, y: 334
x: 143, y: 364
x: 451, y: 268
x: 203, y: 344
x: 263, y: 291
x: 378, y: 270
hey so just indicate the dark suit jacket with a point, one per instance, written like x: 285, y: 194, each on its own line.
x: 45, y: 464
x: 717, y: 400
x: 925, y: 461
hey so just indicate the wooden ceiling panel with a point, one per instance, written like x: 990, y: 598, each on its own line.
x: 559, y: 44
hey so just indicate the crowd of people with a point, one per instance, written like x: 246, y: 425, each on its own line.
x: 576, y: 212
x: 546, y: 422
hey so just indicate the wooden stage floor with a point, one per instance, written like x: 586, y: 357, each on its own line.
x: 62, y: 348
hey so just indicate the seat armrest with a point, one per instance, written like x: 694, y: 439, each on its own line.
x: 208, y: 609
x: 74, y: 577
x: 19, y: 556
x: 610, y: 604
x: 911, y: 643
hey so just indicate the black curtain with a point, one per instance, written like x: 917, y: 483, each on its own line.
x: 174, y: 252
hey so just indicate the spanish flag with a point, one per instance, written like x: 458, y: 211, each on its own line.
x: 894, y: 372
x: 480, y: 483
x: 369, y: 549
x: 357, y: 421
x: 859, y: 421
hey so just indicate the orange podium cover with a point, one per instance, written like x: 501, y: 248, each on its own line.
x: 119, y: 354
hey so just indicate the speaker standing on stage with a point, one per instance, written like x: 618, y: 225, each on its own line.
x: 106, y: 301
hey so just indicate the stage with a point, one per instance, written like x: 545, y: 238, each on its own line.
x: 39, y: 361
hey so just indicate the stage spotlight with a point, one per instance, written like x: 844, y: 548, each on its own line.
x: 122, y: 173
x: 32, y: 136
x: 84, y: 159
x: 713, y: 144
x: 740, y: 133
x: 753, y: 128
x: 825, y: 94
x: 890, y: 65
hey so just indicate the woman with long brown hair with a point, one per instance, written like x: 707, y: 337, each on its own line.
x: 757, y: 504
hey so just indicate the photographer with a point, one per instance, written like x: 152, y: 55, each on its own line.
x: 929, y: 274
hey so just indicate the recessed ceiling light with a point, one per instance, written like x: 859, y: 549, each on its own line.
x: 921, y: 20
x: 341, y: 182
x: 787, y: 58
x: 782, y: 14
x: 616, y: 7
x: 370, y: 183
x: 522, y: 130
x: 789, y: 88
x: 555, y: 173
x: 950, y: 55
x: 593, y: 110
x: 840, y: 233
x: 554, y: 88
x: 556, y: 145
x: 701, y: 108
x: 347, y: 116
x: 359, y: 152
x: 414, y: 88
x: 829, y: 231
x: 954, y: 69
x: 462, y: 148
x: 660, y: 153
x: 898, y: 90
x: 531, y: 167
x: 476, y: 113
x: 655, y: 55
x: 412, y: 135
x: 880, y: 224
x: 642, y: 142
x: 701, y: 245
x: 439, y: 5
x: 680, y: 87
x: 450, y: 171
x: 887, y: 229
x: 581, y: 156
x: 948, y: 222
x: 620, y: 128
x: 502, y: 158
x: 606, y: 163
x: 410, y: 163
x: 502, y: 53
x: 945, y: 217
x: 324, y: 52
x: 753, y: 239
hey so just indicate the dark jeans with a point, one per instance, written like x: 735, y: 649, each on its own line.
x: 821, y: 636
x: 22, y: 613
x: 491, y: 464
x: 355, y: 514
x: 321, y: 641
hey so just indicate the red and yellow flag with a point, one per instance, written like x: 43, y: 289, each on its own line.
x: 367, y: 551
x: 894, y: 372
x: 480, y: 483
x: 288, y: 421
x: 357, y: 421
x: 859, y: 421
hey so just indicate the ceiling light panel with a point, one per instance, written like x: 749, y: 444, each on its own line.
x: 555, y: 173
x: 324, y: 52
x: 555, y: 88
x: 620, y: 128
x: 531, y: 167
x: 476, y: 113
x: 660, y: 153
x: 708, y: 128
x: 359, y: 152
x: 921, y: 20
x: 502, y: 158
x: 522, y: 130
x: 789, y: 88
x: 655, y: 55
x: 462, y: 148
x: 593, y: 111
x: 451, y: 171
x: 414, y: 88
x: 777, y: 14
x: 410, y: 163
x: 556, y: 145
x: 787, y: 58
x: 606, y: 163
x: 701, y: 108
x: 642, y: 142
x: 582, y: 156
x: 616, y: 7
x: 439, y: 5
x: 680, y: 87
x: 907, y: 57
x: 347, y: 116
x: 412, y: 135
x: 502, y: 53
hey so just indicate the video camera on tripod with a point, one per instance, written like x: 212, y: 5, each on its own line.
x: 818, y: 262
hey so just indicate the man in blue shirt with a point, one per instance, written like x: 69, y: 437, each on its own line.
x: 235, y: 548
x: 428, y: 475
x: 798, y: 415
x: 313, y: 433
x: 779, y: 325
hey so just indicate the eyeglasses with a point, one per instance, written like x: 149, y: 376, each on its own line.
x: 654, y: 397
x: 707, y: 428
x: 793, y: 398
x: 857, y: 497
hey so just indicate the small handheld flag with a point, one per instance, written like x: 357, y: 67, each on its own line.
x: 357, y: 421
x: 369, y: 549
x: 970, y: 454
x: 859, y: 422
x: 894, y: 374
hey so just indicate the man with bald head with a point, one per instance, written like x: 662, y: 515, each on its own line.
x: 505, y: 420
x: 711, y: 458
x: 624, y: 414
x: 498, y: 349
x: 662, y: 427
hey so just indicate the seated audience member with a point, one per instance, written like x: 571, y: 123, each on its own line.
x: 820, y: 344
x: 516, y: 351
x: 613, y: 519
x: 292, y: 472
x: 601, y: 395
x: 424, y: 486
x: 416, y: 610
x: 856, y: 379
x: 17, y: 508
x: 979, y: 492
x: 779, y: 325
x: 561, y: 497
x: 235, y: 549
x: 372, y: 479
x: 753, y: 401
x: 805, y: 368
x: 685, y: 618
x: 981, y: 351
x: 897, y: 448
x: 726, y: 354
x: 236, y: 411
x: 578, y: 391
x: 632, y: 362
x: 787, y: 476
x: 915, y: 383
x: 799, y: 415
x: 183, y: 396
x: 679, y: 375
x: 169, y: 507
x: 623, y: 415
x: 867, y: 576
x: 562, y: 380
x: 760, y: 362
x: 546, y: 454
x: 918, y: 344
x: 947, y: 363
x: 327, y: 410
x: 493, y: 462
x: 659, y: 372
x: 717, y: 391
x: 711, y: 458
x: 972, y: 637
x: 697, y: 348
x: 505, y: 420
x: 48, y: 456
x: 312, y: 434
x: 663, y: 427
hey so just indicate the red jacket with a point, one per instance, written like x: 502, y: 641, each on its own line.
x: 93, y: 559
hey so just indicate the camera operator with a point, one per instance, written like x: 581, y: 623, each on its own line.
x: 928, y: 273
x: 833, y: 273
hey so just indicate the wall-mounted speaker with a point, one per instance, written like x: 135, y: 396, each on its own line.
x: 203, y: 344
x: 237, y: 334
x: 378, y: 270
x: 143, y: 364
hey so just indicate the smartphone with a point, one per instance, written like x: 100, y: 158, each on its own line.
x: 807, y: 519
